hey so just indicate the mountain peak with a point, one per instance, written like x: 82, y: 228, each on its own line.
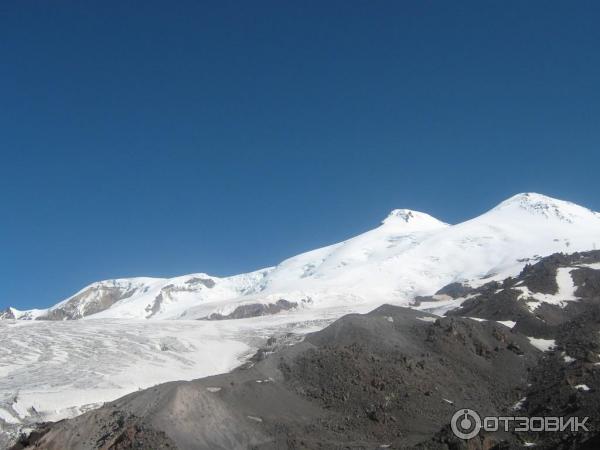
x: 530, y: 198
x: 408, y: 219
x: 544, y: 206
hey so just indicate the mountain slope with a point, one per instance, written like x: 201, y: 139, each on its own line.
x: 409, y: 254
x: 361, y: 383
x: 527, y: 345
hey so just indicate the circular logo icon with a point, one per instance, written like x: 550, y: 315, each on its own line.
x: 465, y: 424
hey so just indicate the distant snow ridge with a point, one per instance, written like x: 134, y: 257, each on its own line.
x: 411, y: 253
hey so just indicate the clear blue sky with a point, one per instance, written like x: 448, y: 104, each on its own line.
x: 162, y: 138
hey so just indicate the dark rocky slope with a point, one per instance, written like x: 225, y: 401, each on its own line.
x: 385, y: 378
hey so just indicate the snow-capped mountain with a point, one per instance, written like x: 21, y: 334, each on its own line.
x: 410, y: 253
x: 56, y: 368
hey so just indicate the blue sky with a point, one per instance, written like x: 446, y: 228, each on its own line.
x: 222, y: 137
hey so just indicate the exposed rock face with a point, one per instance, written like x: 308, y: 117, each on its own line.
x: 204, y: 281
x: 170, y: 290
x: 155, y: 306
x: 541, y: 276
x: 7, y: 314
x: 452, y: 290
x: 455, y: 290
x: 566, y: 382
x: 255, y: 310
x: 587, y: 281
x: 95, y: 298
x: 533, y: 299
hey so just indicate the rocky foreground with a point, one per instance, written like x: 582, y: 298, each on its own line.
x: 392, y: 378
